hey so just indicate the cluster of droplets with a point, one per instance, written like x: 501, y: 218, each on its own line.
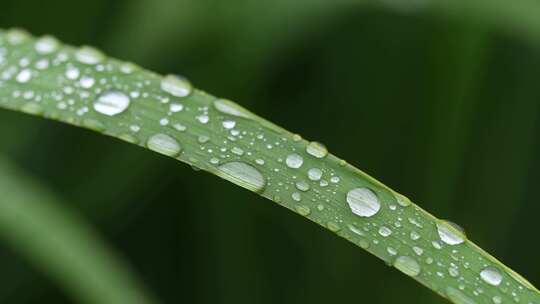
x: 263, y: 160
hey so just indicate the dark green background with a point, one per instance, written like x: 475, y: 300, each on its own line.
x: 443, y: 110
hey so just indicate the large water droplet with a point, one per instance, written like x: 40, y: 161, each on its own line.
x: 363, y: 202
x: 111, y: 103
x: 46, y: 45
x: 243, y: 175
x: 491, y: 275
x: 176, y: 86
x: 164, y: 144
x: 294, y: 161
x: 407, y: 265
x: 89, y: 55
x: 24, y: 76
x: 231, y: 108
x: 315, y: 174
x: 449, y: 234
x: 316, y: 149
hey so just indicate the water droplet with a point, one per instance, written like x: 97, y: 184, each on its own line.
x: 316, y: 149
x: 407, y: 265
x: 296, y: 196
x: 333, y: 227
x: 363, y: 202
x: 176, y: 107
x: 229, y: 124
x: 294, y: 161
x: 314, y: 174
x: 402, y: 200
x: 453, y: 272
x: 355, y: 230
x: 491, y: 275
x: 243, y: 175
x: 111, y: 103
x: 176, y: 86
x: 16, y: 36
x: 303, y: 210
x: 72, y: 73
x: 164, y: 144
x: 457, y: 296
x: 24, y: 76
x: 418, y: 250
x: 385, y: 231
x: 87, y: 82
x: 496, y: 300
x: 391, y: 251
x: 231, y: 108
x: 46, y: 45
x: 449, y: 234
x: 302, y: 185
x: 89, y: 55
x: 414, y: 235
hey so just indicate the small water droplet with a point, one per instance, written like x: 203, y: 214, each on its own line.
x: 87, y: 82
x: 72, y: 73
x: 333, y: 227
x: 385, y: 231
x: 407, y: 265
x: 32, y: 108
x: 315, y: 174
x: 294, y: 161
x: 491, y: 275
x: 229, y: 124
x: 24, y: 76
x: 497, y: 300
x: 176, y: 107
x: 402, y: 200
x: 418, y: 250
x: 296, y: 196
x: 47, y: 45
x: 363, y: 202
x: 16, y: 36
x: 228, y: 107
x: 303, y: 210
x: 111, y: 103
x: 449, y: 234
x: 391, y: 251
x: 243, y: 175
x: 316, y: 149
x: 89, y: 55
x: 176, y: 86
x: 164, y: 144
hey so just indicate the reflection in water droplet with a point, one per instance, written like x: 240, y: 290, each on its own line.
x: 407, y: 265
x: 243, y: 175
x: 164, y: 144
x: 46, y: 45
x: 385, y: 231
x: 491, y: 275
x: 449, y: 234
x: 176, y: 86
x: 314, y: 174
x: 294, y: 161
x: 316, y: 149
x: 363, y: 202
x: 24, y: 76
x: 231, y: 108
x: 89, y: 55
x: 111, y: 103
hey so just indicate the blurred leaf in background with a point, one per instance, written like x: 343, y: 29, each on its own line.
x: 439, y: 100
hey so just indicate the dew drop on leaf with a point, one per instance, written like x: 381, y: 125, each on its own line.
x: 363, y: 202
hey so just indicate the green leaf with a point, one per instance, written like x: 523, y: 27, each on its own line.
x: 61, y: 243
x: 83, y: 87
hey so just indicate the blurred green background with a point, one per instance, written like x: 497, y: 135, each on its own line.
x: 439, y: 105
